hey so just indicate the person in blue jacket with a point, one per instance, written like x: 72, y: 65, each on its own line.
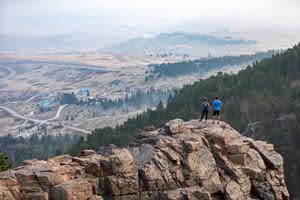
x: 216, y: 108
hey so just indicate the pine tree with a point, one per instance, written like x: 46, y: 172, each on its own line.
x: 3, y: 163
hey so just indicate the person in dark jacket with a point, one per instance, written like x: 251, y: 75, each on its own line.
x: 205, y: 109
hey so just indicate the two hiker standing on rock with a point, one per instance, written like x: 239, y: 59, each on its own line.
x: 216, y: 109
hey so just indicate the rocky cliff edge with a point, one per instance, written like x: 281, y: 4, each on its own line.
x: 183, y: 160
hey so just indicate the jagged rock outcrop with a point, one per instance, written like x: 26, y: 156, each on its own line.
x: 184, y: 160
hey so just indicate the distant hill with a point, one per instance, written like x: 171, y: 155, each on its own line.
x: 105, y: 36
x: 178, y: 43
x: 203, y: 65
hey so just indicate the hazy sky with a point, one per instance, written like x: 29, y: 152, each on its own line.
x: 157, y: 13
x: 116, y: 19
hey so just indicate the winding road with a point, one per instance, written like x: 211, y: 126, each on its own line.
x: 38, y: 121
x: 9, y: 72
x: 17, y: 115
x: 57, y: 113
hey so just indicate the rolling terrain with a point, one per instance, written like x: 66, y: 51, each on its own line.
x: 182, y: 44
x: 32, y: 85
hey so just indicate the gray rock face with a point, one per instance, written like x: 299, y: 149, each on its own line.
x: 185, y: 160
x: 175, y: 126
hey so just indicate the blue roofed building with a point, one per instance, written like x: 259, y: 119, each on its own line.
x: 84, y: 92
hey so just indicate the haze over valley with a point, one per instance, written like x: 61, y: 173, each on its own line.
x: 50, y: 49
x: 78, y: 74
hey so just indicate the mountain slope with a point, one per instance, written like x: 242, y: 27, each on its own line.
x: 262, y: 93
x: 204, y: 64
x: 180, y: 43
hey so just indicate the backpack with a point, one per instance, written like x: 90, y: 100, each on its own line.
x: 205, y: 105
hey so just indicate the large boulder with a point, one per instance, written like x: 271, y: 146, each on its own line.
x: 5, y: 194
x: 271, y: 158
x: 121, y: 161
x: 78, y: 189
x: 184, y: 160
x: 233, y: 191
x: 203, y: 170
x: 9, y: 180
x: 175, y: 126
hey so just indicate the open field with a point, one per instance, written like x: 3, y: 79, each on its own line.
x: 56, y: 72
x: 27, y: 80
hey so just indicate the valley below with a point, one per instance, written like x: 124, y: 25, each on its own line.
x: 31, y: 85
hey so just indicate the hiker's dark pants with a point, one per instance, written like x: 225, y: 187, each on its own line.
x: 205, y: 112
